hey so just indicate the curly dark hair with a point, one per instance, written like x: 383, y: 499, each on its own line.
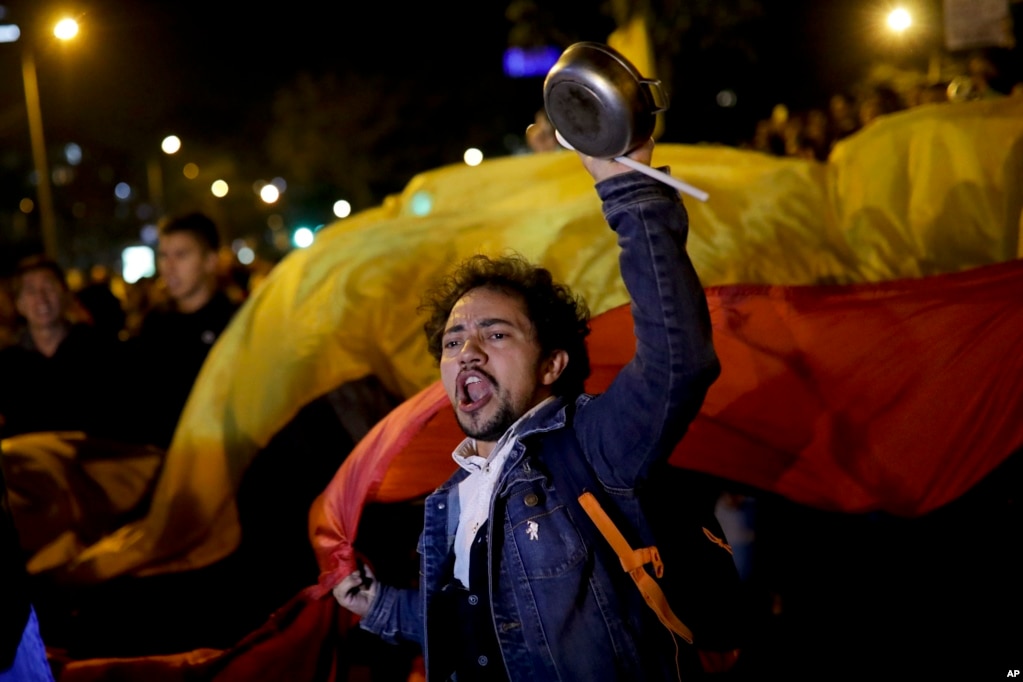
x: 561, y: 318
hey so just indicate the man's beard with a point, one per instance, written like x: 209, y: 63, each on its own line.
x: 491, y: 430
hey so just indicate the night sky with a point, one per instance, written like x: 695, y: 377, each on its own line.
x: 143, y: 68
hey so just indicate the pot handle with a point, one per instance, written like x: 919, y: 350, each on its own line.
x: 663, y: 177
x: 647, y: 170
x: 657, y: 94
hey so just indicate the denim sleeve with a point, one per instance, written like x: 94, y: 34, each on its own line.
x: 650, y: 404
x: 396, y: 616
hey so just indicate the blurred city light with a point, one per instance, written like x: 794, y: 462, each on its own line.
x: 137, y: 262
x: 727, y: 99
x: 62, y: 175
x: 899, y: 20
x: 472, y: 156
x: 149, y: 233
x: 303, y: 237
x: 246, y: 255
x: 122, y: 191
x: 219, y: 188
x: 525, y: 62
x: 66, y: 29
x: 421, y: 203
x: 72, y: 153
x: 9, y: 33
x: 269, y: 194
x: 170, y: 144
x: 342, y: 209
x: 190, y: 171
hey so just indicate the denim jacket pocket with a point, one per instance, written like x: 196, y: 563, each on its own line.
x: 541, y: 531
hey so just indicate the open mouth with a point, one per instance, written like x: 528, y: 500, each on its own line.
x: 475, y: 390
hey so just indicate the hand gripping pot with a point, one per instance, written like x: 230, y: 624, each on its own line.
x: 598, y: 101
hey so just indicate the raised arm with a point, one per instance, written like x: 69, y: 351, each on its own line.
x: 648, y: 407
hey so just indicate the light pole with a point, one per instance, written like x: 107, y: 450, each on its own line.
x: 44, y: 191
x: 64, y: 30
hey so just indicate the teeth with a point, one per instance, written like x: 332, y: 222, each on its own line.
x: 472, y: 380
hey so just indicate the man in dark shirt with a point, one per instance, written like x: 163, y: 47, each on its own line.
x: 59, y: 375
x: 176, y: 336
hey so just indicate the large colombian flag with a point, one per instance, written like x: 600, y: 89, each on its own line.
x: 850, y: 298
x: 866, y: 311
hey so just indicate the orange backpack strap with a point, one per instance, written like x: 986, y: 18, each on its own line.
x: 633, y: 561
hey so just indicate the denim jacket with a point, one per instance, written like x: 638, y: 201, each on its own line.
x: 560, y: 610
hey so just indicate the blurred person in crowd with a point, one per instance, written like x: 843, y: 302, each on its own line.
x: 8, y: 316
x: 233, y: 277
x: 803, y: 135
x: 176, y: 335
x: 878, y: 101
x: 814, y: 139
x: 982, y: 80
x: 766, y: 139
x: 791, y: 133
x: 139, y: 298
x: 22, y: 651
x: 104, y: 309
x: 778, y: 128
x: 540, y: 135
x: 987, y: 79
x: 509, y: 589
x: 933, y: 93
x: 842, y: 120
x: 60, y: 373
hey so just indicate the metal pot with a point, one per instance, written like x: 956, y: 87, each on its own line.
x: 599, y: 102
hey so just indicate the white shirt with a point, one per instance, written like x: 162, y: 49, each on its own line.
x: 476, y: 492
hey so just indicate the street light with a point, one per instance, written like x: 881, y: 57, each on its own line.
x: 169, y: 145
x: 899, y: 20
x: 901, y: 23
x: 65, y: 29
